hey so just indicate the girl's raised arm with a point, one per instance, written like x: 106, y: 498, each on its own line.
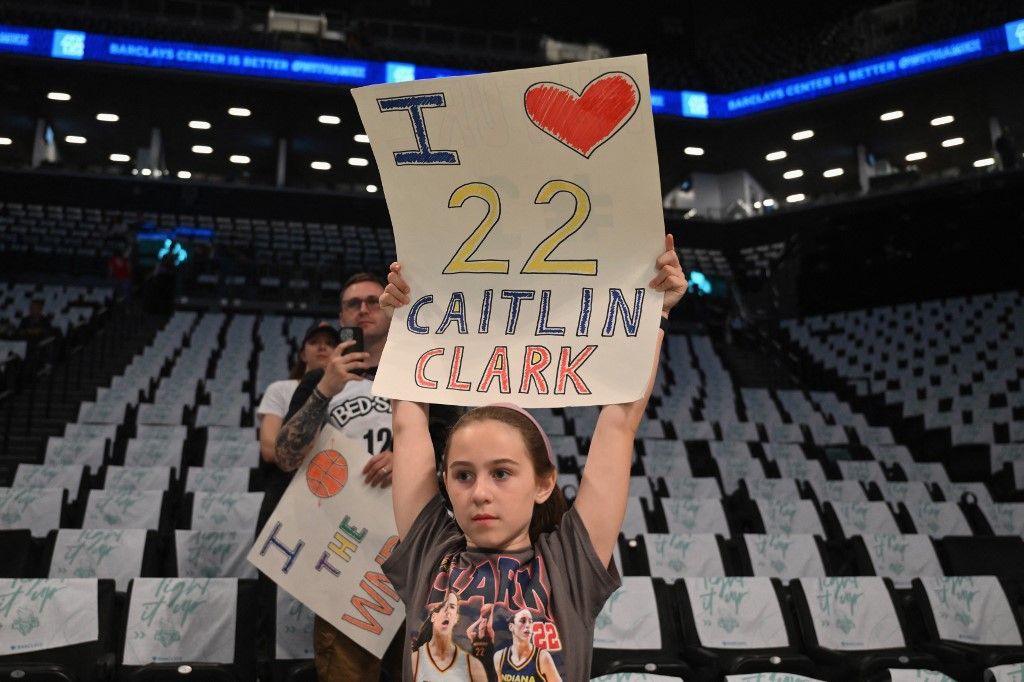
x: 414, y: 478
x: 604, y: 488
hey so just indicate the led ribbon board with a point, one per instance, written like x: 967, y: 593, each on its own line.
x: 58, y: 43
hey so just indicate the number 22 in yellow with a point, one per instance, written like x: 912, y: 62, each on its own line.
x: 461, y: 262
x: 539, y: 261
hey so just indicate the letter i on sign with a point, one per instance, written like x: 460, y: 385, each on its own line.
x: 423, y: 155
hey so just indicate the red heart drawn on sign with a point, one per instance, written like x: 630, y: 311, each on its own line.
x: 583, y: 122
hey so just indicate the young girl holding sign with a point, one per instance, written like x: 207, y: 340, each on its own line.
x: 513, y: 557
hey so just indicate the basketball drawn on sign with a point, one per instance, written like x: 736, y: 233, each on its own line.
x: 583, y: 121
x: 327, y: 473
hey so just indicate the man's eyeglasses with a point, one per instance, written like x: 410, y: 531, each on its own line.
x: 355, y: 304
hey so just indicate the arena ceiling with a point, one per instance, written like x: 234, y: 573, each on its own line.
x: 146, y: 99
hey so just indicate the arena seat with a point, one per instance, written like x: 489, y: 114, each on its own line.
x: 739, y: 625
x: 210, y: 554
x: 636, y: 631
x: 39, y: 510
x: 899, y: 558
x: 219, y: 511
x: 219, y: 479
x: 972, y: 617
x: 978, y: 555
x: 217, y: 639
x: 669, y: 556
x: 783, y: 556
x: 852, y: 628
x: 288, y: 654
x: 84, y: 661
x: 124, y: 509
x: 117, y: 554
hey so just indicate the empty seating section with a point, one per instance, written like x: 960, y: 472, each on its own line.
x: 227, y: 255
x: 768, y: 530
x: 69, y: 311
x: 156, y: 487
x: 67, y: 306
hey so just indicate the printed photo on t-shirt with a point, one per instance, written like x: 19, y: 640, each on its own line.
x: 488, y: 621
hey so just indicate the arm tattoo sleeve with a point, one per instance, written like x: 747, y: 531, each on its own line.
x: 298, y: 433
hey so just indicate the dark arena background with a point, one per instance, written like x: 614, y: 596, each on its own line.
x: 836, y: 438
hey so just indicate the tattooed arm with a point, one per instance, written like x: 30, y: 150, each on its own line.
x: 297, y: 435
x: 300, y: 429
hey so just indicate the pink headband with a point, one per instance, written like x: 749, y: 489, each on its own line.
x: 543, y: 436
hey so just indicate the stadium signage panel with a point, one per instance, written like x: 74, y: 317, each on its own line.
x: 859, y: 74
x: 527, y: 218
x: 327, y: 538
x: 65, y: 44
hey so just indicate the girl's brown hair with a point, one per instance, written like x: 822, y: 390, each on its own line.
x: 547, y: 515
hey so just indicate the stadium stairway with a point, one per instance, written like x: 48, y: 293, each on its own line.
x: 46, y: 404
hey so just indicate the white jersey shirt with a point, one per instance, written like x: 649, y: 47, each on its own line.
x: 362, y: 416
x: 454, y: 670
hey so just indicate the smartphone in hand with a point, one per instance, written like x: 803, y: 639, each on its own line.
x: 348, y: 333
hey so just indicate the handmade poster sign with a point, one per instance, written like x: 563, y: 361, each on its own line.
x: 326, y: 541
x: 527, y: 214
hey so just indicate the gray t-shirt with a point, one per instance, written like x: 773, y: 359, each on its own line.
x: 542, y: 600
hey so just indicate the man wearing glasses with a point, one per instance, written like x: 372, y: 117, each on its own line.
x: 340, y: 396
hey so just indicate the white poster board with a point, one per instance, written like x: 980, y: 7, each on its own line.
x: 326, y: 541
x: 527, y: 214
